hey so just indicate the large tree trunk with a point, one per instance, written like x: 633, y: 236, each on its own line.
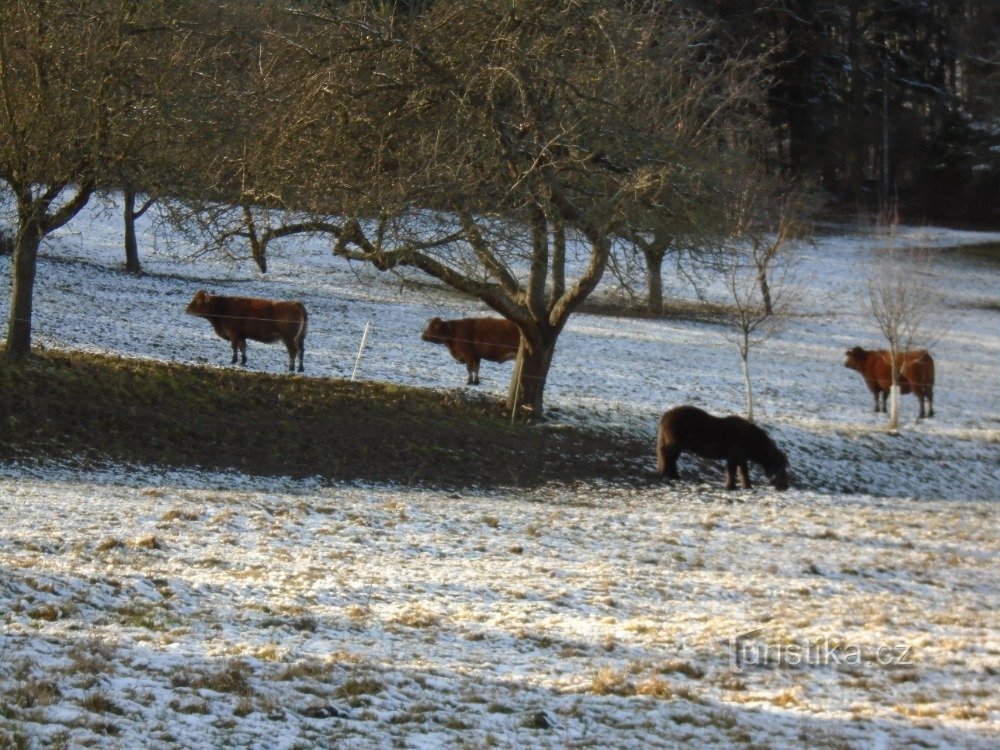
x: 24, y: 262
x: 654, y: 280
x: 530, y: 373
x: 131, y: 246
x: 34, y: 221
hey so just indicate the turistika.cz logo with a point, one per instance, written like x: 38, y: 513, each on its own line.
x: 749, y: 650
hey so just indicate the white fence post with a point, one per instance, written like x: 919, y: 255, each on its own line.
x: 361, y: 349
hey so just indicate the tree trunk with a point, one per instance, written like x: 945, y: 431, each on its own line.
x: 258, y: 249
x: 654, y: 281
x: 765, y: 289
x: 131, y: 246
x: 894, y: 368
x: 747, y: 390
x: 893, y: 408
x: 857, y: 134
x: 886, y: 193
x: 530, y: 373
x: 24, y: 263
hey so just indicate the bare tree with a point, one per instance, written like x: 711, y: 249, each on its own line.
x: 132, y: 210
x: 756, y: 264
x: 903, y: 303
x: 502, y: 148
x: 253, y: 167
x: 70, y: 75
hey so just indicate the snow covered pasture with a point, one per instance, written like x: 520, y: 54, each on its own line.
x: 145, y: 608
x: 186, y: 610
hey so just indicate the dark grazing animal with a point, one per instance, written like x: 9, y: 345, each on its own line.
x: 237, y: 319
x: 472, y: 339
x: 916, y: 375
x: 688, y: 428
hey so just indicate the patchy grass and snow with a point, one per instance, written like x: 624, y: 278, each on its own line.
x: 192, y: 610
x: 183, y: 609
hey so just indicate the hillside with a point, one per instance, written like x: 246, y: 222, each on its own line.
x: 95, y: 409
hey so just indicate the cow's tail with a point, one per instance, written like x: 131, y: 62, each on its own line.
x: 928, y: 366
x: 919, y: 370
x: 303, y: 325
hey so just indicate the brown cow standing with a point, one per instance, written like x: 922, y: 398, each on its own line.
x: 916, y: 374
x: 733, y: 438
x: 237, y: 319
x: 472, y: 339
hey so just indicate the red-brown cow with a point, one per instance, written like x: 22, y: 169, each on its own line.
x: 472, y: 339
x: 237, y: 319
x: 916, y: 374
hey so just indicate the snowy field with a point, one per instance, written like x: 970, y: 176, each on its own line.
x: 142, y: 608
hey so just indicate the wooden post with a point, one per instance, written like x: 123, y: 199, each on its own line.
x: 361, y: 349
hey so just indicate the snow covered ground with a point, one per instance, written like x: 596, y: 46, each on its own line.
x: 141, y: 608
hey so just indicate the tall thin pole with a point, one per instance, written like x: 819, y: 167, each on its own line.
x: 361, y: 349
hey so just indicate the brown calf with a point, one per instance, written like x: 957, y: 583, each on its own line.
x: 472, y: 339
x: 916, y: 374
x: 237, y: 319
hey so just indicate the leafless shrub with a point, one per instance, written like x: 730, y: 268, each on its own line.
x: 903, y: 301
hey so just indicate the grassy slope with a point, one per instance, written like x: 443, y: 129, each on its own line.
x: 62, y: 405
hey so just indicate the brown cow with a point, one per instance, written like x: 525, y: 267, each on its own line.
x: 916, y: 374
x: 472, y: 339
x: 688, y: 428
x: 237, y: 319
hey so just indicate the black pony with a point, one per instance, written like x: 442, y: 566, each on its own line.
x: 688, y: 428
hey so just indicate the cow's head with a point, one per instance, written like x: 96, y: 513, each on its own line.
x: 855, y: 358
x: 437, y: 330
x: 200, y: 304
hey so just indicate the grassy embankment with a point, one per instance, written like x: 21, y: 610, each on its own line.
x: 98, y: 409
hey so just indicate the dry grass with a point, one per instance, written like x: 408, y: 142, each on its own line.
x: 359, y: 686
x: 655, y: 687
x: 416, y: 617
x: 233, y: 677
x: 610, y: 681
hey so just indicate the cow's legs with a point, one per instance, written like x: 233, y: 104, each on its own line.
x: 292, y: 349
x: 880, y: 405
x: 302, y: 354
x: 475, y: 371
x: 920, y: 397
x: 235, y: 342
x: 243, y: 351
x: 930, y: 403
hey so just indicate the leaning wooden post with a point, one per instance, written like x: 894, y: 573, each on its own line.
x: 361, y: 349
x: 514, y: 392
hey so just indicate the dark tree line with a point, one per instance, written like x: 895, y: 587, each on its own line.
x: 881, y: 100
